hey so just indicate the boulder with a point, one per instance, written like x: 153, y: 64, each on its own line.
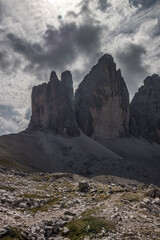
x: 3, y: 232
x: 83, y: 186
x: 153, y: 191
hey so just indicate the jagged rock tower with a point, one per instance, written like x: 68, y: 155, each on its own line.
x: 145, y: 110
x: 102, y: 101
x: 53, y: 107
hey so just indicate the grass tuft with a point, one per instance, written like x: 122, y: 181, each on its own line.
x: 13, y: 234
x: 88, y: 226
x: 7, y: 188
x: 132, y: 197
x: 32, y: 195
x: 53, y: 201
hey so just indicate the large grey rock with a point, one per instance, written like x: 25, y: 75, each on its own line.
x: 153, y: 191
x: 83, y: 186
x: 3, y: 232
x: 102, y: 101
x: 145, y: 110
x: 52, y: 106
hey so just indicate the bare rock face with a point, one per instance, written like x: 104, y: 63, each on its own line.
x: 52, y: 106
x: 102, y: 101
x: 145, y: 110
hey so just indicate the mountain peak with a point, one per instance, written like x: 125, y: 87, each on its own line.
x: 150, y: 80
x: 99, y: 96
x: 52, y: 107
x: 145, y: 110
x: 106, y: 58
x: 66, y: 79
x: 53, y: 77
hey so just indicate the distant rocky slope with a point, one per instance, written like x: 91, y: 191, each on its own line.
x: 102, y: 101
x: 52, y: 106
x: 145, y: 110
x: 91, y: 135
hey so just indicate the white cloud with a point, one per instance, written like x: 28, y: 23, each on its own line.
x: 128, y: 31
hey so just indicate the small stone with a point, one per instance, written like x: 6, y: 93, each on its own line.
x: 147, y: 200
x: 65, y: 230
x: 156, y: 201
x: 155, y: 212
x: 23, y: 205
x: 56, y: 229
x: 83, y: 186
x: 151, y: 192
x: 3, y: 232
x: 147, y: 206
x: 49, y: 232
x: 33, y: 230
x: 70, y: 213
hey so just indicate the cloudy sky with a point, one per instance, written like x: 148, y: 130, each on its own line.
x: 42, y: 35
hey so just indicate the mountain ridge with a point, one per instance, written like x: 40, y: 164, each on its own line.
x: 55, y: 140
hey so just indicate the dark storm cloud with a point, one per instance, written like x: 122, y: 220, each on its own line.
x: 60, y: 46
x: 84, y: 6
x: 103, y: 4
x: 88, y: 38
x: 28, y: 114
x: 131, y: 58
x: 69, y: 41
x: 84, y: 10
x: 3, y: 60
x: 31, y: 51
x: 1, y: 11
x: 144, y: 3
x: 8, y: 112
x: 72, y: 14
x: 7, y: 65
x: 87, y: 13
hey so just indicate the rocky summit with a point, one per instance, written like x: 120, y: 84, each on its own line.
x: 145, y: 110
x: 102, y: 101
x: 52, y: 106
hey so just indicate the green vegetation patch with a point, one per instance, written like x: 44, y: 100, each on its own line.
x: 7, y: 188
x: 132, y: 197
x: 37, y: 178
x: 8, y: 163
x: 101, y: 197
x: 90, y: 212
x: 13, y: 234
x: 32, y: 195
x: 52, y: 201
x: 88, y: 226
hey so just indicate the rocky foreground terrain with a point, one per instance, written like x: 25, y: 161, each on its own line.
x: 39, y: 206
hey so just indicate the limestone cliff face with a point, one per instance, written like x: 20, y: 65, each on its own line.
x: 52, y: 106
x: 102, y: 101
x: 145, y: 110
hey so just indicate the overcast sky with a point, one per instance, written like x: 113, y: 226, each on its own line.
x: 42, y: 35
